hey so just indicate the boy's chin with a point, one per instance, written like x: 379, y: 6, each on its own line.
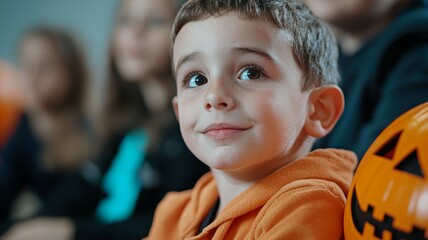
x: 221, y: 165
x: 226, y: 163
x: 235, y: 166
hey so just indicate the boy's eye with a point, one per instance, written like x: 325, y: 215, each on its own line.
x: 250, y: 73
x: 197, y: 80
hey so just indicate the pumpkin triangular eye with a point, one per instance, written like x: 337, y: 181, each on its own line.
x: 411, y: 165
x: 388, y: 149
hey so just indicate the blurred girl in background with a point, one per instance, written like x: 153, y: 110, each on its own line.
x: 51, y: 139
x: 144, y: 155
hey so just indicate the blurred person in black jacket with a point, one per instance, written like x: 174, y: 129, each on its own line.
x: 383, y: 62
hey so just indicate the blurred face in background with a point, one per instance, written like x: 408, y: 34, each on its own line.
x: 142, y: 38
x: 352, y: 14
x: 44, y: 73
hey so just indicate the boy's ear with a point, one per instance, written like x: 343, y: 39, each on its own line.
x: 175, y: 107
x: 326, y: 107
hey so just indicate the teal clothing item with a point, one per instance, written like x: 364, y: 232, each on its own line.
x: 166, y: 166
x: 121, y: 182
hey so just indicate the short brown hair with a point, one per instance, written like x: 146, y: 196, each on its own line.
x: 314, y: 47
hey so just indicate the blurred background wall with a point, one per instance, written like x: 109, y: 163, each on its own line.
x: 90, y: 21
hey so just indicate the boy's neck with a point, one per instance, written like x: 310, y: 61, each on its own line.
x: 229, y: 187
x: 231, y: 184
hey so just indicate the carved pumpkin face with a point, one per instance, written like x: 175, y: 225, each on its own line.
x: 388, y: 198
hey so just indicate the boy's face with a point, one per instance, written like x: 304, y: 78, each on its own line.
x: 239, y: 95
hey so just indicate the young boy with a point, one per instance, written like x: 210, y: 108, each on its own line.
x: 383, y: 63
x: 255, y: 88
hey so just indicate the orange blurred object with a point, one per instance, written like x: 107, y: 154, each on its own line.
x: 10, y: 101
x: 388, y: 198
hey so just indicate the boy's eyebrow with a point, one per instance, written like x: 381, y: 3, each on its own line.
x: 191, y: 56
x: 257, y: 51
x: 187, y: 58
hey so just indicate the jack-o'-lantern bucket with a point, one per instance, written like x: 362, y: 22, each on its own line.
x: 388, y: 198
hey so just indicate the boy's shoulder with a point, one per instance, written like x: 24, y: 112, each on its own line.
x: 178, y: 202
x: 324, y: 171
x: 179, y: 212
x: 301, y: 204
x: 313, y: 192
x: 180, y: 199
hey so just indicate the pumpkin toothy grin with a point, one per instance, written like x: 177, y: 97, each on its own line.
x: 360, y: 217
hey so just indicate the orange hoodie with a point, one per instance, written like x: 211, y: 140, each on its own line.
x: 302, y: 200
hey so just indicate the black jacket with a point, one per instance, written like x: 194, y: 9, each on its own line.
x: 21, y: 168
x: 385, y: 78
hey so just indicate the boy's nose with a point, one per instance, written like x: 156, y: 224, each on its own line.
x: 218, y: 98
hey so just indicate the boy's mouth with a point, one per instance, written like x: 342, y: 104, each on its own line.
x: 220, y: 131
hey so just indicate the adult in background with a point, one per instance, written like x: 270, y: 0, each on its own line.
x: 383, y: 62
